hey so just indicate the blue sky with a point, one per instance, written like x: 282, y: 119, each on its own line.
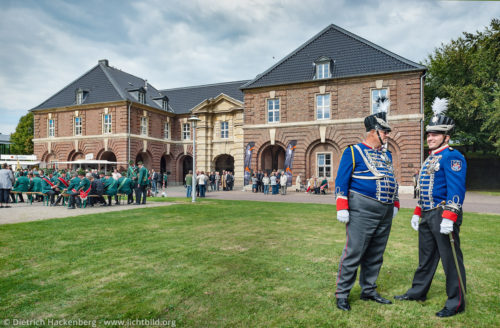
x: 46, y: 44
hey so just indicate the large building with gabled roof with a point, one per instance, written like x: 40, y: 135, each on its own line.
x: 298, y: 115
x: 314, y: 102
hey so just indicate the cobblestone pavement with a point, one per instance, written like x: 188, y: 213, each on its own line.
x: 23, y: 212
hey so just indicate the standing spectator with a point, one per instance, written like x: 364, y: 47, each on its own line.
x: 274, y: 183
x: 298, y: 183
x: 254, y: 183
x: 154, y: 181
x: 230, y: 180
x: 6, y: 182
x: 415, y: 184
x: 217, y: 180
x: 165, y: 180
x: 265, y: 182
x: 189, y: 183
x: 283, y: 181
x: 260, y: 175
x: 212, y: 181
x: 142, y: 184
x: 202, y: 180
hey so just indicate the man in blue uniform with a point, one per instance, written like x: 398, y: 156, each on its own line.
x: 367, y: 200
x: 439, y: 213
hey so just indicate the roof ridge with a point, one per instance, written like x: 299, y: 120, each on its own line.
x: 113, y: 81
x: 294, y: 52
x: 65, y: 87
x: 322, y: 32
x: 377, y: 47
x: 203, y: 85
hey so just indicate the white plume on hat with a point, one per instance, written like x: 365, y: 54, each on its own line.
x: 439, y: 105
x: 384, y: 105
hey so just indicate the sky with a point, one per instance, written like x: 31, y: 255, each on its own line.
x: 47, y: 44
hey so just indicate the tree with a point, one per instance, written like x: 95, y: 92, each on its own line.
x: 22, y: 139
x: 467, y: 72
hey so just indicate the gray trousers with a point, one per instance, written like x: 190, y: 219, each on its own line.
x: 366, y: 237
x: 432, y: 246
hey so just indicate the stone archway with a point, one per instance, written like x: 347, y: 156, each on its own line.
x: 145, y: 158
x: 224, y: 162
x: 272, y: 158
x: 184, y: 165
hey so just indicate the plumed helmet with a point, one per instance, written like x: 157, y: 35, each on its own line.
x: 440, y: 123
x: 377, y: 122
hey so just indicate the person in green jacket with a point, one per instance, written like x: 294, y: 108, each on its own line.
x: 37, y: 184
x: 48, y: 187
x: 83, y: 186
x: 142, y: 184
x: 110, y: 187
x: 125, y: 186
x: 21, y: 185
x: 132, y: 175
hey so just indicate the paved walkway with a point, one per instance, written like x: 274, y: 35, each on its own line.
x: 23, y: 212
x: 474, y: 202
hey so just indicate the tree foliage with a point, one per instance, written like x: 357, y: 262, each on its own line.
x: 22, y: 139
x: 467, y: 72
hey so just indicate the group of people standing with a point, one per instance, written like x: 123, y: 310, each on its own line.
x: 215, y: 180
x: 277, y: 181
x: 89, y: 185
x: 367, y: 201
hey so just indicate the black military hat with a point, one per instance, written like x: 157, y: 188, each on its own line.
x: 377, y: 121
x: 440, y: 123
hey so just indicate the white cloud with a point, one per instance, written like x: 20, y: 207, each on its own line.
x: 181, y: 43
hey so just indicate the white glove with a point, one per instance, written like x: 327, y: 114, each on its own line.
x: 446, y: 226
x: 414, y: 222
x: 343, y: 216
x: 396, y: 210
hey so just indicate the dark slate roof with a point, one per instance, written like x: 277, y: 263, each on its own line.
x: 103, y: 83
x: 183, y: 100
x: 352, y: 56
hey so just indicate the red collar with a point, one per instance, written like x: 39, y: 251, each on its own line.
x: 437, y: 151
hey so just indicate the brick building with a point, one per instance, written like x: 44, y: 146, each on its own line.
x: 310, y: 104
x: 108, y: 114
x: 315, y: 99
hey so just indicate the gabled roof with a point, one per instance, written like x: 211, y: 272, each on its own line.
x: 103, y: 83
x: 183, y: 100
x: 352, y: 56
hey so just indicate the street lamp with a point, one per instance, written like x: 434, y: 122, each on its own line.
x: 194, y: 120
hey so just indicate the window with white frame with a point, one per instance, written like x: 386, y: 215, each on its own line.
x: 377, y: 96
x: 323, y: 107
x: 164, y: 104
x: 141, y: 97
x: 186, y: 131
x: 79, y: 97
x: 106, y: 123
x: 144, y: 126
x: 166, y: 131
x: 323, y: 70
x: 78, y: 126
x: 324, y: 163
x: 273, y: 110
x: 224, y: 130
x: 52, y: 128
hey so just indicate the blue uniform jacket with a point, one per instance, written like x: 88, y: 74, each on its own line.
x: 354, y: 175
x: 442, y: 182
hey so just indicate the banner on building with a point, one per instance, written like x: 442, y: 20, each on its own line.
x: 248, y: 162
x: 290, y: 151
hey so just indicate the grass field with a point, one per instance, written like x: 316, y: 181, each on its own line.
x: 227, y: 264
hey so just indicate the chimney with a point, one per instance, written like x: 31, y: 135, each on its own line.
x: 146, y: 85
x: 104, y: 62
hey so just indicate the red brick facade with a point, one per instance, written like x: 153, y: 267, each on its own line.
x: 349, y: 104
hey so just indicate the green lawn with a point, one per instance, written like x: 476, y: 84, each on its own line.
x: 227, y: 264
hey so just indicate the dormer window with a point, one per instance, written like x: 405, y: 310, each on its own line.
x: 80, y: 96
x: 141, y: 97
x: 162, y: 101
x: 323, y: 68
